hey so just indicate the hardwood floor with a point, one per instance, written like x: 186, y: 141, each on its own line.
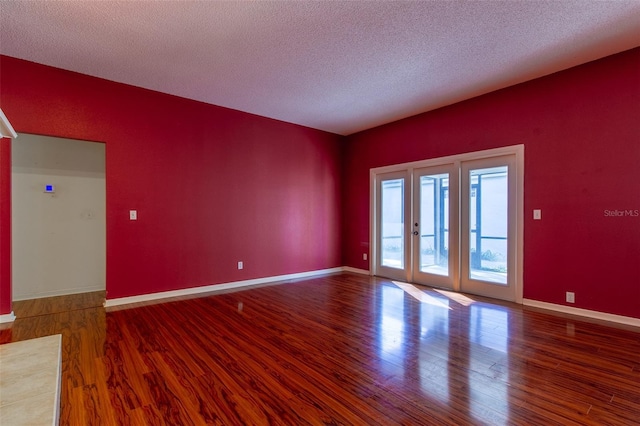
x: 341, y: 349
x: 57, y: 304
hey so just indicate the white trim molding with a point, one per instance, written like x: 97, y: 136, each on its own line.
x: 7, y: 318
x: 217, y: 287
x: 6, y: 130
x: 602, y: 316
x: 450, y: 159
x: 356, y: 270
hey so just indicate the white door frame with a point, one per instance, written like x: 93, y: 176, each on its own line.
x: 468, y: 284
x: 517, y: 150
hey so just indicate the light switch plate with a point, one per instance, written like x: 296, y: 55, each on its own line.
x: 133, y: 214
x: 537, y: 214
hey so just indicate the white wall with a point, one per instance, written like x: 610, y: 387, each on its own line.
x: 59, y: 240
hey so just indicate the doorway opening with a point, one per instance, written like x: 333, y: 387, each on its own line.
x: 58, y: 217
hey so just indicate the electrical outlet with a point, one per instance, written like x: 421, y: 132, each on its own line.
x: 240, y: 265
x: 571, y: 297
x: 364, y: 256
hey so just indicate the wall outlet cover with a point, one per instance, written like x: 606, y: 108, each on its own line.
x: 571, y: 297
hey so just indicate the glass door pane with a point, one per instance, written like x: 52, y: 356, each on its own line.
x: 434, y: 224
x: 488, y: 219
x: 392, y: 223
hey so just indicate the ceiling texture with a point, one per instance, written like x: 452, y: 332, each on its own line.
x: 339, y: 66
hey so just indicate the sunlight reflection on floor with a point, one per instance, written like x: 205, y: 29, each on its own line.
x: 420, y: 295
x: 424, y: 297
x: 456, y: 297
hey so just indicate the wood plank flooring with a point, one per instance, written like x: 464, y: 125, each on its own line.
x: 342, y: 349
x: 57, y: 304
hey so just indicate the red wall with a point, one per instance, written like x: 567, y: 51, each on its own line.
x: 212, y: 186
x: 581, y: 131
x: 5, y: 225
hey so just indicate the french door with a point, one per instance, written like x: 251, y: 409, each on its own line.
x: 393, y: 241
x: 435, y: 213
x: 451, y: 224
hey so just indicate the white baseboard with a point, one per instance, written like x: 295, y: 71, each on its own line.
x: 60, y: 292
x: 7, y: 318
x: 217, y: 287
x: 603, y: 316
x: 356, y: 270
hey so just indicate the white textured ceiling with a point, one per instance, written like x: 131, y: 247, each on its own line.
x: 340, y: 66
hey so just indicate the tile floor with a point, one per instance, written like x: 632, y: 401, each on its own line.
x: 30, y: 381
